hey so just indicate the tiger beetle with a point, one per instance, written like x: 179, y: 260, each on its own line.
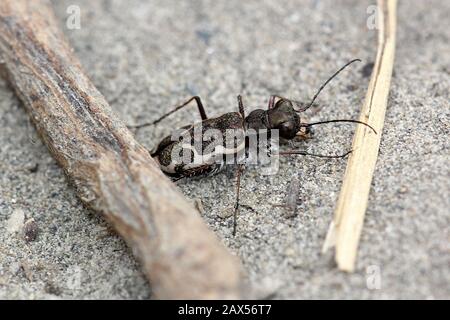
x: 282, y: 115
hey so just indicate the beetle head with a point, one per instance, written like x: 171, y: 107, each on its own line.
x: 284, y: 118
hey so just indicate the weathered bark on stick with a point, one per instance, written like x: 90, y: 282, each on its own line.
x: 112, y: 173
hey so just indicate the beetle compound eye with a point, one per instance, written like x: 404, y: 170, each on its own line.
x: 288, y: 130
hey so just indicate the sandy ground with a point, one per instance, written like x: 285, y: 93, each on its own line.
x: 147, y: 56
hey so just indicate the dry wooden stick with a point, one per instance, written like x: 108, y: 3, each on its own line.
x: 346, y: 228
x: 112, y: 173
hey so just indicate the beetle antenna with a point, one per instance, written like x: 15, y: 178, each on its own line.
x: 304, y: 153
x: 326, y: 82
x: 338, y: 120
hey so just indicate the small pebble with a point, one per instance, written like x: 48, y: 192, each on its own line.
x: 27, y: 270
x: 51, y: 288
x: 403, y: 189
x: 290, y: 252
x: 199, y: 206
x: 30, y: 230
x: 34, y: 168
x: 366, y: 71
x: 15, y: 221
x: 226, y: 213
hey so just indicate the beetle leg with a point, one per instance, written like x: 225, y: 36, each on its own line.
x: 197, y: 99
x: 239, y: 169
x: 241, y: 106
x: 272, y: 98
x: 272, y: 103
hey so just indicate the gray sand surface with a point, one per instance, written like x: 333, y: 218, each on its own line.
x: 148, y: 56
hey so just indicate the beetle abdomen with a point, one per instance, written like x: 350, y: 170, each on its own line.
x: 202, y: 148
